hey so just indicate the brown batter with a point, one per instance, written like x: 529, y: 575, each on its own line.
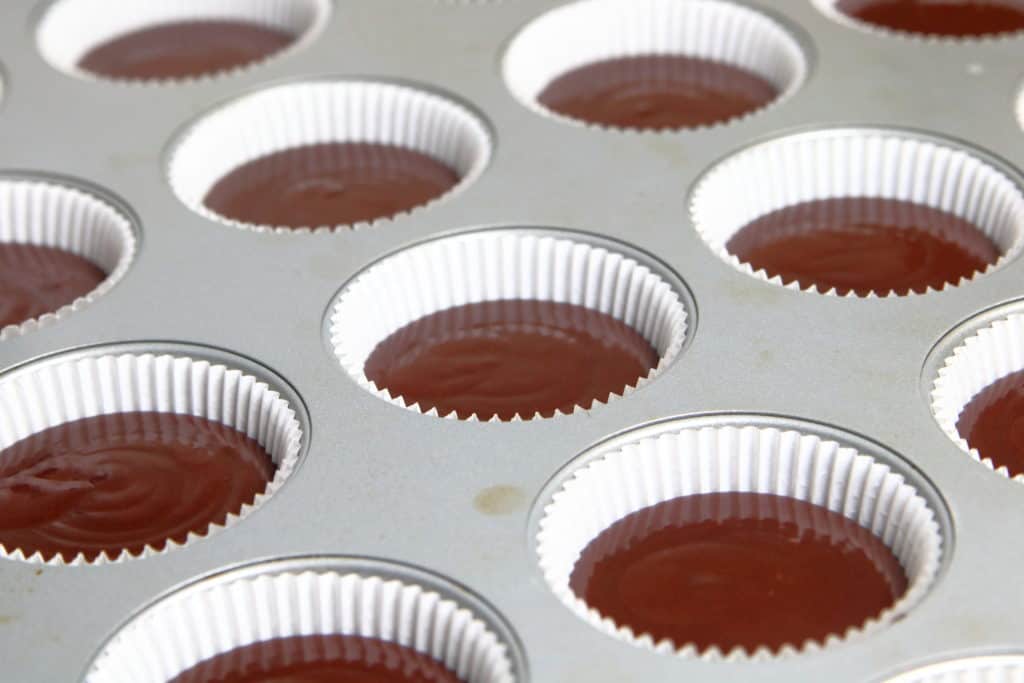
x: 184, y: 49
x: 510, y: 357
x: 993, y: 422
x: 330, y: 184
x: 738, y: 569
x: 959, y: 18
x: 123, y: 481
x: 36, y: 280
x: 657, y: 92
x: 864, y: 245
x: 319, y: 659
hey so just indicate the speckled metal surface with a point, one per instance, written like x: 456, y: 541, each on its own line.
x: 379, y: 481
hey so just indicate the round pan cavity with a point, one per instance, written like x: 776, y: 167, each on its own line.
x: 68, y: 216
x: 312, y: 596
x: 299, y: 115
x: 977, y: 355
x: 153, y: 378
x: 591, y: 31
x: 991, y: 669
x: 910, y: 19
x: 941, y: 175
x: 756, y: 454
x: 70, y: 29
x: 502, y: 265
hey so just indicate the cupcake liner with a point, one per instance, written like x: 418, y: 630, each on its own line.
x: 993, y: 669
x: 59, y: 215
x: 589, y: 31
x: 679, y: 461
x: 71, y: 28
x: 68, y: 388
x: 857, y: 163
x: 829, y: 9
x: 298, y: 114
x: 986, y: 356
x: 206, y: 620
x: 502, y: 264
x: 1018, y: 105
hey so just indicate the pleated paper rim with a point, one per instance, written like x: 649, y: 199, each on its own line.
x: 312, y: 596
x: 413, y: 116
x: 73, y: 200
x: 935, y: 185
x: 629, y: 479
x: 776, y: 38
x: 631, y: 287
x: 74, y: 385
x: 52, y: 32
x: 829, y: 9
x: 985, y: 354
x: 976, y: 669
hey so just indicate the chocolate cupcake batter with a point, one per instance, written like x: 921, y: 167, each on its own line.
x: 124, y: 481
x: 993, y: 423
x: 510, y: 357
x: 35, y: 280
x: 184, y: 49
x: 320, y: 659
x: 863, y: 245
x: 737, y: 569
x: 657, y: 92
x: 329, y: 185
x: 953, y: 18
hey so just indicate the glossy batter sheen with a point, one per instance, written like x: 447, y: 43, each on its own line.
x: 184, y: 49
x: 36, y: 280
x: 656, y: 92
x: 330, y: 184
x: 123, y: 481
x: 959, y: 18
x: 510, y: 357
x: 320, y: 659
x: 738, y: 569
x: 864, y: 245
x: 993, y: 422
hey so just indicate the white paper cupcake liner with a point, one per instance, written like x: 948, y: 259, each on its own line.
x: 835, y: 163
x: 495, y: 265
x: 56, y: 214
x: 64, y: 389
x: 1018, y: 106
x: 71, y: 28
x: 330, y: 111
x: 993, y: 669
x: 206, y: 620
x: 588, y: 31
x: 829, y: 9
x: 985, y: 357
x: 682, y: 461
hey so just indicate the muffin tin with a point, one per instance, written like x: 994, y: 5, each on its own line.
x: 464, y: 499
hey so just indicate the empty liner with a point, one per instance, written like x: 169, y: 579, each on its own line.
x: 58, y: 214
x: 70, y: 387
x: 836, y: 163
x: 589, y: 31
x: 71, y: 28
x: 329, y: 111
x: 499, y: 265
x: 679, y: 461
x: 214, y: 617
